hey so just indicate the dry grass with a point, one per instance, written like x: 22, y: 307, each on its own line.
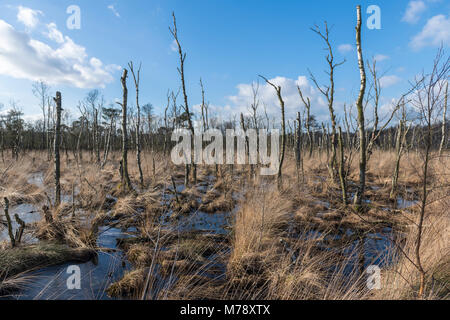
x: 279, y: 246
x: 268, y: 262
x: 401, y: 281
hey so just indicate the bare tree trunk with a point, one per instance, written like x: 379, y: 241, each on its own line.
x: 441, y: 146
x: 96, y: 137
x: 359, y: 105
x: 203, y: 106
x: 182, y: 55
x: 342, y: 177
x: 166, y: 125
x: 283, y: 131
x: 108, y: 142
x: 126, y: 183
x: 328, y: 92
x: 2, y: 144
x: 137, y: 79
x: 247, y: 143
x: 79, y: 151
x: 56, y: 146
x: 401, y: 135
x: 298, y: 147
x: 307, y: 104
x: 347, y: 128
x: 377, y: 88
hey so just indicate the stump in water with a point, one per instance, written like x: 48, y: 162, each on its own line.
x: 8, y: 220
x: 19, y: 232
x: 16, y: 237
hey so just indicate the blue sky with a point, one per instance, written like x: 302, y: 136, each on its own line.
x: 228, y: 43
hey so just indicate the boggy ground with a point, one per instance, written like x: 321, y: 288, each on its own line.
x: 229, y: 236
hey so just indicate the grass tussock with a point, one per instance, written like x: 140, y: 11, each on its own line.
x: 24, y: 258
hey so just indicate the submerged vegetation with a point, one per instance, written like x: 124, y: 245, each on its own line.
x: 363, y: 194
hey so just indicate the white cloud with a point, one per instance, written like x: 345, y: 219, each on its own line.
x: 241, y: 101
x: 25, y: 117
x: 344, y: 48
x: 413, y: 11
x: 28, y: 17
x: 174, y: 46
x: 114, y: 10
x: 387, y: 81
x: 435, y: 32
x: 23, y: 57
x: 32, y: 118
x: 381, y: 57
x: 53, y: 33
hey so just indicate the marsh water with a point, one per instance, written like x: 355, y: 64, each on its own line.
x: 50, y: 283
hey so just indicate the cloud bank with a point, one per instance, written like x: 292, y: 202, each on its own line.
x: 58, y: 61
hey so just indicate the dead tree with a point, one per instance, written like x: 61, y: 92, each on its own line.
x: 376, y: 99
x: 254, y: 110
x: 359, y: 105
x: 126, y: 183
x: 444, y: 120
x: 283, y: 130
x: 247, y: 143
x: 137, y: 79
x: 342, y: 174
x: 347, y: 126
x: 428, y: 99
x: 166, y: 124
x: 254, y: 106
x: 266, y: 116
x: 402, y: 131
x: 17, y: 237
x: 325, y: 140
x: 328, y: 93
x: 56, y: 145
x: 182, y: 56
x: 204, y: 108
x: 376, y: 132
x: 307, y: 104
x: 298, y: 147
